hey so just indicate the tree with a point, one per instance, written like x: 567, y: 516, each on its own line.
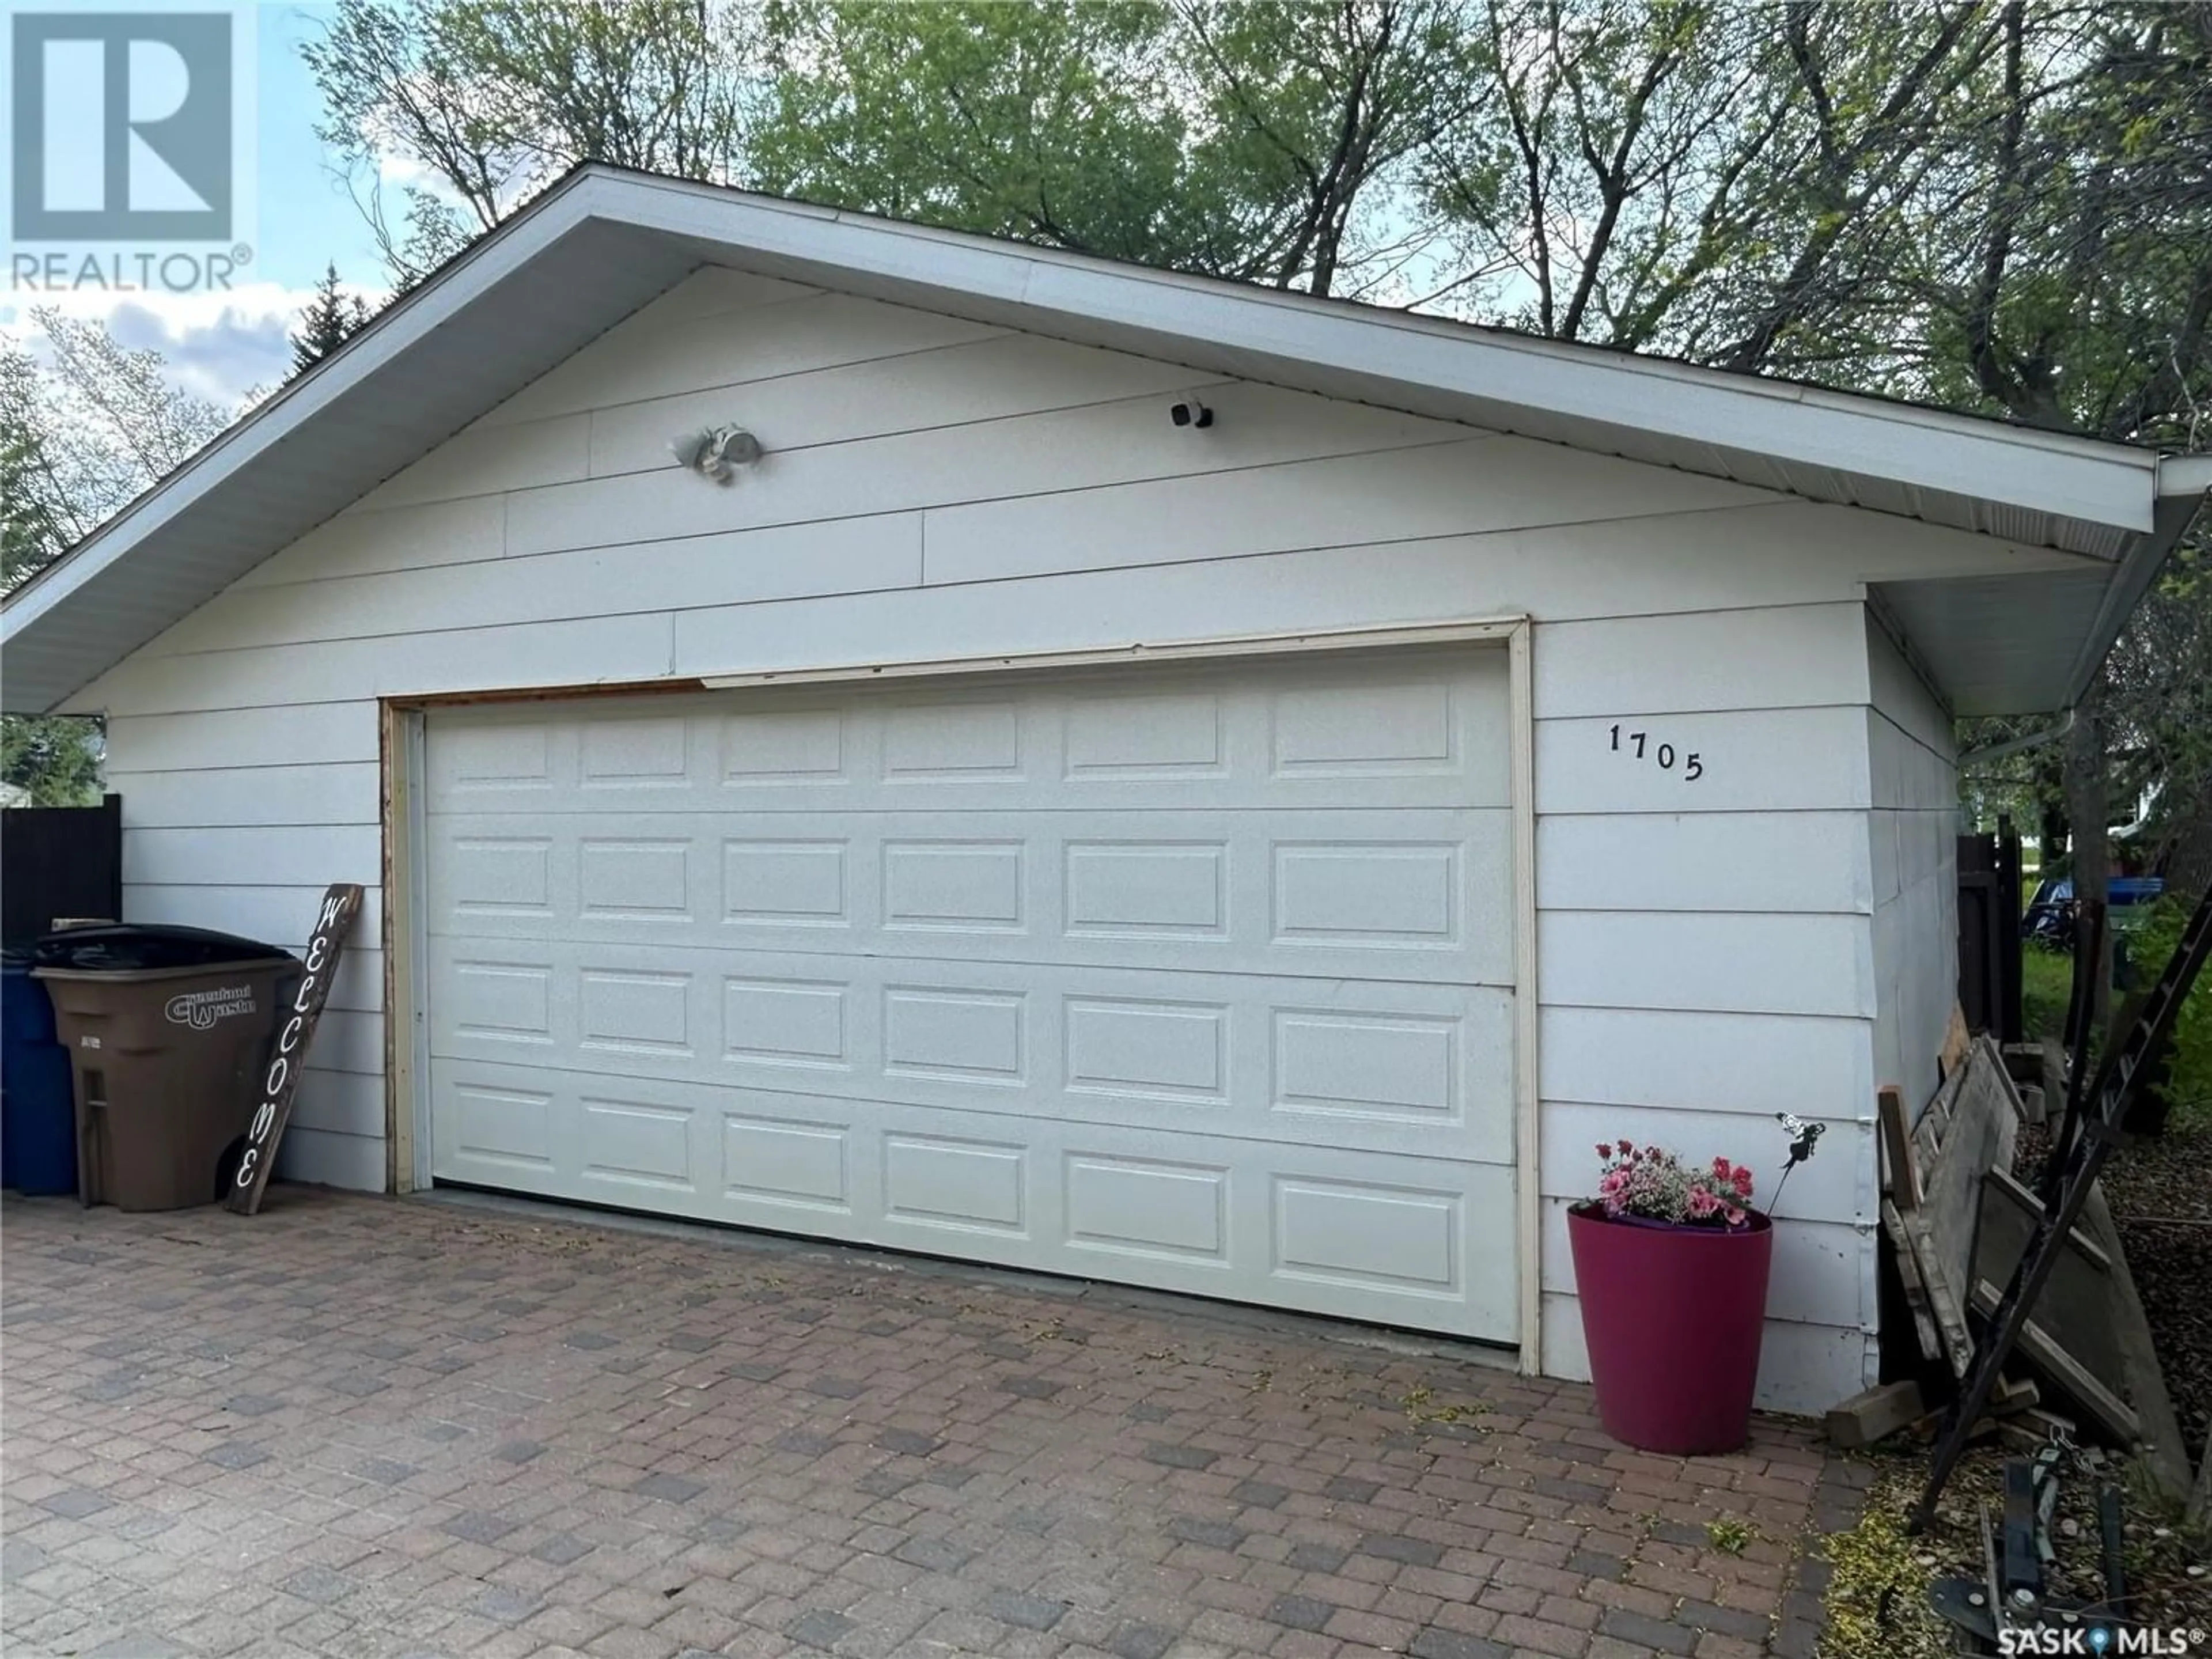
x: 1267, y: 142
x: 325, y: 322
x: 2075, y: 293
x: 1047, y: 122
x: 111, y: 422
x: 1052, y: 123
x: 1724, y: 184
x: 54, y: 759
x: 492, y: 99
x: 31, y: 533
x: 1315, y: 115
x: 81, y: 433
x: 1258, y: 142
x: 55, y: 762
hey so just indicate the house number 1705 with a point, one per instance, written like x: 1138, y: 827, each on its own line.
x: 1661, y: 755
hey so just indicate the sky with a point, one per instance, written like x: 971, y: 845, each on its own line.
x: 223, y: 346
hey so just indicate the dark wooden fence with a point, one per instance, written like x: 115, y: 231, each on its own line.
x: 1989, y: 931
x: 58, y: 861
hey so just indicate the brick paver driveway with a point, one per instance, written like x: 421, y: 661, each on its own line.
x: 363, y: 1427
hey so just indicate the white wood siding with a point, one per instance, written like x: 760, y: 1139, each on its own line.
x: 1912, y: 767
x: 935, y: 490
x: 1703, y: 952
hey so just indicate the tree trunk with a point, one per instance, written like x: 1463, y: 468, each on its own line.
x: 2049, y: 839
x: 2187, y: 857
x: 2086, y: 816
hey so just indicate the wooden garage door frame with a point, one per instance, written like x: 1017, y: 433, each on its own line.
x: 404, y: 753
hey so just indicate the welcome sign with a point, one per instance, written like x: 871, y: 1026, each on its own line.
x: 288, y: 1057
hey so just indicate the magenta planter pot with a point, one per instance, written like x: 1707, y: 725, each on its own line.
x: 1673, y: 1316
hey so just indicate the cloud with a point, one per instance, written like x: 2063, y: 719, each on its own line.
x: 398, y: 171
x: 220, y: 346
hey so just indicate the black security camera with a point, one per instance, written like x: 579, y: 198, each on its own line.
x: 1190, y: 412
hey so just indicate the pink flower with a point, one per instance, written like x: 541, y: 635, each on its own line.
x: 1614, y: 1182
x: 1605, y: 1149
x: 1735, y: 1216
x: 1702, y: 1203
x: 1742, y: 1181
x: 1721, y: 1168
x: 1627, y: 1147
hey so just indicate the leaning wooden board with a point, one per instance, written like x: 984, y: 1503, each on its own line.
x: 1916, y: 1292
x: 1933, y: 1173
x: 1977, y: 1135
x: 2073, y: 1378
x: 288, y: 1057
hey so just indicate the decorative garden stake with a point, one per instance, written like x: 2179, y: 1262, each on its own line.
x: 1804, y: 1141
x: 1671, y: 1265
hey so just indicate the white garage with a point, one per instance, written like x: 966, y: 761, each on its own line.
x: 1010, y: 817
x: 1199, y: 978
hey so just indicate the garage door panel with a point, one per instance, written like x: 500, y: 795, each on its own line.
x: 1408, y: 1067
x: 1199, y: 979
x: 1341, y: 894
x: 1430, y: 731
x: 1374, y: 1236
x: 498, y: 1130
x: 497, y: 761
x: 492, y: 999
x: 491, y: 868
x: 629, y: 1145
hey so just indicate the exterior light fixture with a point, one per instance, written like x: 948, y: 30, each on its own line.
x: 716, y: 452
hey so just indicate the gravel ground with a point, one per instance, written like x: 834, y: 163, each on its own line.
x: 1877, y: 1601
x: 2161, y: 1200
x: 2160, y: 1194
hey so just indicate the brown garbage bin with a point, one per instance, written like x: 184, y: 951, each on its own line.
x: 167, y: 1030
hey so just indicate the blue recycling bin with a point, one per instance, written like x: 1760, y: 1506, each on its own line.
x: 37, y: 1104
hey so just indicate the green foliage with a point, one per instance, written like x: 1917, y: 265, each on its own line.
x: 2046, y: 987
x: 54, y: 759
x: 111, y: 422
x: 1262, y: 140
x: 54, y: 762
x: 495, y: 98
x: 82, y: 430
x: 31, y: 536
x: 2188, y: 1085
x: 1731, y: 1534
x: 325, y: 322
x: 1049, y: 122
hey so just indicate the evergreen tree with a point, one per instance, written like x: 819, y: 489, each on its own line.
x: 329, y: 318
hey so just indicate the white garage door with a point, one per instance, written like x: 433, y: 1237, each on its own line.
x: 1197, y: 979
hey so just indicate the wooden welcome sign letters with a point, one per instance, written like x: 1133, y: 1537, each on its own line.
x: 341, y: 905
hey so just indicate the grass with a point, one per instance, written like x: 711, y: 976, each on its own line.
x: 2046, y: 985
x: 1729, y: 1535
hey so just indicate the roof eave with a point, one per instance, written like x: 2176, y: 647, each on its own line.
x: 2110, y: 500
x: 2184, y: 482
